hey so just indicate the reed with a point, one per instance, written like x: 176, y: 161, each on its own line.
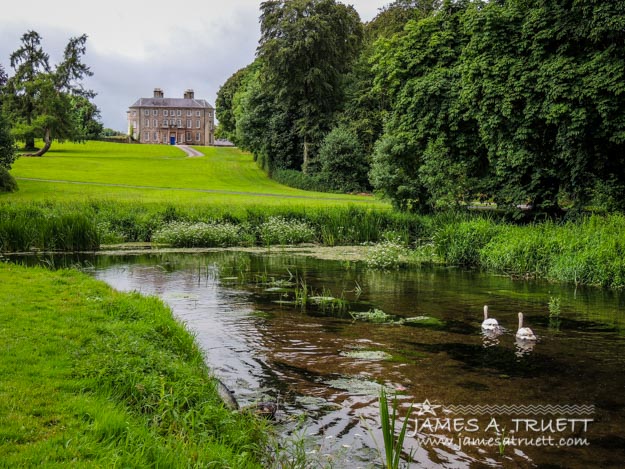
x: 393, y: 444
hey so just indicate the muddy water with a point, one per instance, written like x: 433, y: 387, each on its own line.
x: 559, y: 402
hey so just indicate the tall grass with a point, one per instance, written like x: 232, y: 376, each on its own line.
x: 82, y: 226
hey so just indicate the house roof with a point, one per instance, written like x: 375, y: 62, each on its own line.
x: 172, y: 102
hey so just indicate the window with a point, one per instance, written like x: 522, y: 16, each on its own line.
x: 165, y: 138
x: 178, y: 112
x: 198, y: 136
x: 189, y: 124
x: 156, y: 136
x: 188, y: 136
x: 146, y: 122
x: 172, y: 122
x: 146, y: 137
x: 165, y: 123
x: 165, y: 113
x: 134, y: 113
x: 189, y: 113
x: 155, y: 112
x: 146, y: 112
x: 198, y: 124
x: 179, y: 122
x: 198, y: 113
x: 155, y: 123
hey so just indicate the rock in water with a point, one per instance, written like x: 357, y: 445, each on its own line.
x: 226, y: 395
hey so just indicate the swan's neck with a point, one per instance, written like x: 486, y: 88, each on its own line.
x: 520, y: 321
x: 485, y: 313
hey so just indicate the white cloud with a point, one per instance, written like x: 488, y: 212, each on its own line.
x: 134, y: 47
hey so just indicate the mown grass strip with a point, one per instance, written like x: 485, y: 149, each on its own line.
x: 97, y: 378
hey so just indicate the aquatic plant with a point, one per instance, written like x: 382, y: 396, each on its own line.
x: 393, y: 445
x: 373, y: 315
x: 385, y: 255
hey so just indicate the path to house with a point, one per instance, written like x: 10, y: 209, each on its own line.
x: 190, y: 151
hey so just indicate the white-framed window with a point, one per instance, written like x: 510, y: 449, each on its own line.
x: 146, y: 136
x: 198, y: 124
x: 134, y: 113
x: 172, y: 122
x: 165, y: 123
x: 189, y: 124
x: 165, y: 113
x: 178, y: 112
x: 146, y: 122
x: 189, y: 113
x: 198, y: 113
x: 146, y: 112
x: 188, y: 136
x: 155, y: 112
x: 155, y: 122
x: 179, y: 122
x: 198, y: 136
x: 165, y: 138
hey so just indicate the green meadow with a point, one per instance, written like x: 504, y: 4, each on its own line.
x: 158, y: 174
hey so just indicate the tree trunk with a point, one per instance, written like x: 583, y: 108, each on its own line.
x: 48, y: 143
x: 306, y: 162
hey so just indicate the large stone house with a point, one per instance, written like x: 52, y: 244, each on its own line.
x: 172, y: 121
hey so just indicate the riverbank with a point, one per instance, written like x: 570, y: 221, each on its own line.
x: 92, y: 376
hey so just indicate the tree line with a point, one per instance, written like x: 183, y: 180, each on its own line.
x: 440, y: 104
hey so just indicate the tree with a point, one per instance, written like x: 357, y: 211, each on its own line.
x: 39, y: 99
x: 342, y: 166
x: 306, y: 47
x: 225, y: 106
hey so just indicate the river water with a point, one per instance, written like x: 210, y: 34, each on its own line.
x: 477, y: 401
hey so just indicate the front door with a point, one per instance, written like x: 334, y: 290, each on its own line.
x: 172, y: 139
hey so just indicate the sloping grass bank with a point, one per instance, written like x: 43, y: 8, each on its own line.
x: 586, y: 252
x: 91, y: 377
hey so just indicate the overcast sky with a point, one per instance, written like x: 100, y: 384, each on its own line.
x: 136, y: 46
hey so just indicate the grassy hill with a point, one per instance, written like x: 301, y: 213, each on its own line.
x: 157, y: 173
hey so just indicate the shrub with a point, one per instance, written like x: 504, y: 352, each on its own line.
x: 7, y: 182
x: 299, y: 180
x: 343, y: 165
x: 278, y: 230
x: 201, y: 234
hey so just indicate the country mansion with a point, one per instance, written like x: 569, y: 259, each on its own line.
x: 172, y: 121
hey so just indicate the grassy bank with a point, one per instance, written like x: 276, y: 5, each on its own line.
x: 72, y: 172
x: 586, y: 252
x: 93, y: 377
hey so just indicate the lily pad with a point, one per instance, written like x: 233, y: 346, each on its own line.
x: 423, y: 321
x: 367, y: 355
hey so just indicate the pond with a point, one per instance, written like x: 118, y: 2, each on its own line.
x: 293, y: 329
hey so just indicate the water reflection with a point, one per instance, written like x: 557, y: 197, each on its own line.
x: 328, y: 366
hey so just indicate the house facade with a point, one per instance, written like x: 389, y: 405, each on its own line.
x: 170, y: 121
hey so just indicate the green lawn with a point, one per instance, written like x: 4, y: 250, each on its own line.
x: 157, y: 173
x: 90, y: 377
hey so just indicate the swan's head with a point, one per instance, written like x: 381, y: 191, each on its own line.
x: 485, y: 312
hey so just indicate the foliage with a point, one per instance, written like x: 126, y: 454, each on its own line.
x: 342, y: 162
x: 393, y: 444
x: 201, y: 234
x: 278, y: 230
x: 305, y: 47
x: 39, y: 99
x: 7, y: 145
x: 7, y: 182
x: 386, y: 254
x: 299, y: 180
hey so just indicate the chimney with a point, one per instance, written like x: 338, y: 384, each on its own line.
x: 158, y: 93
x: 189, y: 94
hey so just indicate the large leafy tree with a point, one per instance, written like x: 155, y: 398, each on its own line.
x: 430, y: 154
x: 306, y: 47
x: 546, y: 83
x: 39, y: 98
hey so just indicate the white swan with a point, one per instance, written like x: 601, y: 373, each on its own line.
x: 489, y: 324
x: 524, y: 333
